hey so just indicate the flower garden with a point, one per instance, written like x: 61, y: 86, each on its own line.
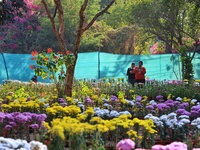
x: 100, y: 115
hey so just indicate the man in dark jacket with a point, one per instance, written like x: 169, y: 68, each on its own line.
x: 131, y: 75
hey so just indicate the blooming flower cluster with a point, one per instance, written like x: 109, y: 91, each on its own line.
x: 11, y: 144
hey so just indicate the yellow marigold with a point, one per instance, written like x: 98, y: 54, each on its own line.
x: 112, y: 128
x: 125, y: 125
x: 131, y: 91
x: 59, y: 131
x: 123, y: 101
x: 95, y: 120
x: 88, y: 127
x: 46, y: 125
x: 89, y: 111
x: 51, y: 111
x: 132, y: 133
x: 94, y: 97
x: 6, y: 107
x: 102, y: 128
x: 140, y: 137
x: 145, y: 97
x: 9, y: 97
x: 81, y: 117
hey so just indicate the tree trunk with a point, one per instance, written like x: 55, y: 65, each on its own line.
x: 69, y: 79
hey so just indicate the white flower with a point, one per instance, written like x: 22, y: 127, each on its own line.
x: 179, y: 99
x: 196, y: 122
x: 152, y: 102
x: 183, y: 116
x: 193, y: 101
x: 114, y: 113
x: 37, y: 145
x: 124, y: 112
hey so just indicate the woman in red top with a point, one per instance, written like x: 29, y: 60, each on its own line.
x: 140, y: 72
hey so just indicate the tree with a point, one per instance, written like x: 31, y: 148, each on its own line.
x: 172, y: 22
x: 20, y: 29
x: 12, y: 8
x: 59, y: 32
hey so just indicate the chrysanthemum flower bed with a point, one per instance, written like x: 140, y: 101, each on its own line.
x: 100, y: 114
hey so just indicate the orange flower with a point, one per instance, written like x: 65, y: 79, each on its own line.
x: 49, y: 50
x: 34, y: 53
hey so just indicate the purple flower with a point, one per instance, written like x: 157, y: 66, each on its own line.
x: 169, y: 102
x: 61, y: 100
x: 183, y: 112
x: 126, y: 144
x: 21, y: 118
x: 9, y: 117
x: 13, y: 124
x: 2, y: 116
x: 183, y: 105
x: 113, y: 98
x: 176, y: 103
x: 88, y: 100
x: 63, y: 104
x: 41, y: 117
x: 8, y: 127
x: 34, y: 126
x: 149, y: 107
x: 159, y: 97
x: 138, y: 98
x: 162, y: 106
x: 194, y: 113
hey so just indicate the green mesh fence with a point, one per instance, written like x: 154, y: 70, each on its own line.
x: 97, y: 65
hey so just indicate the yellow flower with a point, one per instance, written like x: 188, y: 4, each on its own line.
x: 102, y: 128
x: 132, y: 133
x: 89, y: 111
x: 81, y: 117
x: 46, y: 125
x: 197, y: 80
x: 112, y: 128
x: 95, y: 120
x: 58, y: 130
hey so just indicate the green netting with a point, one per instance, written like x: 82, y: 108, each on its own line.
x: 97, y: 65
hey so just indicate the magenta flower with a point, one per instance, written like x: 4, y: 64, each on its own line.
x: 126, y: 144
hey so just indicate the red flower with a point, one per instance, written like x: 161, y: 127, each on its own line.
x: 55, y: 57
x: 60, y: 52
x: 33, y: 58
x: 68, y: 52
x: 34, y: 53
x: 32, y: 67
x: 49, y: 50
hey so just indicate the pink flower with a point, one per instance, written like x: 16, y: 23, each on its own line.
x: 126, y: 144
x: 158, y: 147
x: 29, y: 27
x: 39, y: 28
x: 172, y: 146
x: 22, y: 20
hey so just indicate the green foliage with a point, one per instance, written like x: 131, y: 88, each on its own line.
x: 187, y: 67
x: 53, y: 65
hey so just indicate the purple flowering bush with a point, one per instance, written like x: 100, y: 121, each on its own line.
x: 20, y: 125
